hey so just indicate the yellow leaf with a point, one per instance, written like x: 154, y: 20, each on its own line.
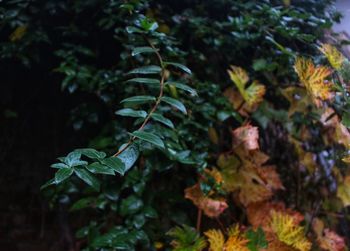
x: 343, y: 191
x: 335, y: 58
x: 313, y: 78
x: 254, y: 93
x: 213, y: 135
x: 298, y: 99
x: 236, y: 241
x: 18, y: 33
x: 216, y: 240
x: 283, y: 225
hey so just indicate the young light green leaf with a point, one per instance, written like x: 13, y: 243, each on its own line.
x: 148, y: 81
x: 183, y: 87
x: 139, y: 50
x: 149, y: 137
x: 149, y: 69
x: 160, y: 118
x: 63, y: 174
x: 87, y: 178
x: 138, y: 100
x: 114, y: 163
x: 180, y: 66
x: 175, y: 103
x: 99, y: 168
x: 129, y: 156
x: 131, y: 113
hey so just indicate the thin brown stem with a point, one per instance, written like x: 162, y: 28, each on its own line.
x: 158, y: 100
x: 199, y: 219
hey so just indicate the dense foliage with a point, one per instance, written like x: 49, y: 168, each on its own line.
x: 221, y: 103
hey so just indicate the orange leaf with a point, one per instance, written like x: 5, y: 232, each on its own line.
x: 247, y: 136
x: 211, y: 207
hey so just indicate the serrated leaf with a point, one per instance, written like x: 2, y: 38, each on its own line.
x: 182, y: 67
x: 175, y: 103
x: 129, y: 156
x: 148, y: 81
x: 149, y: 137
x: 257, y: 240
x: 63, y: 174
x: 183, y: 87
x: 138, y: 100
x: 160, y: 118
x: 87, y: 178
x: 139, y: 50
x: 115, y: 163
x: 149, y: 69
x: 91, y: 153
x: 131, y: 113
x: 99, y: 168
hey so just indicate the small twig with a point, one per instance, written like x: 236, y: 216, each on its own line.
x: 199, y: 219
x: 158, y: 100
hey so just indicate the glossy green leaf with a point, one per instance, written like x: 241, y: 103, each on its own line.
x: 149, y: 81
x: 87, y: 178
x: 139, y: 50
x: 180, y: 66
x: 129, y: 156
x: 131, y: 113
x: 59, y: 165
x: 82, y: 203
x: 160, y: 118
x: 138, y: 100
x: 130, y: 205
x: 149, y: 137
x: 63, y: 174
x: 183, y: 87
x: 99, y: 168
x: 91, y: 153
x: 150, y: 69
x: 114, y: 163
x: 175, y: 103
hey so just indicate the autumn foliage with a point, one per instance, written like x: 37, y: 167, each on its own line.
x: 245, y: 178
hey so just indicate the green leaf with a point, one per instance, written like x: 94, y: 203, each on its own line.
x: 160, y: 118
x: 150, y: 69
x: 257, y: 240
x: 131, y: 113
x: 82, y: 203
x: 87, y: 178
x: 99, y: 168
x: 130, y: 205
x: 91, y: 153
x: 138, y: 100
x: 183, y: 87
x: 139, y: 50
x: 47, y: 184
x: 59, y: 165
x: 148, y: 81
x: 175, y: 103
x: 129, y: 156
x: 346, y: 120
x: 149, y: 137
x: 182, y: 67
x: 63, y: 174
x: 73, y: 159
x: 115, y: 163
